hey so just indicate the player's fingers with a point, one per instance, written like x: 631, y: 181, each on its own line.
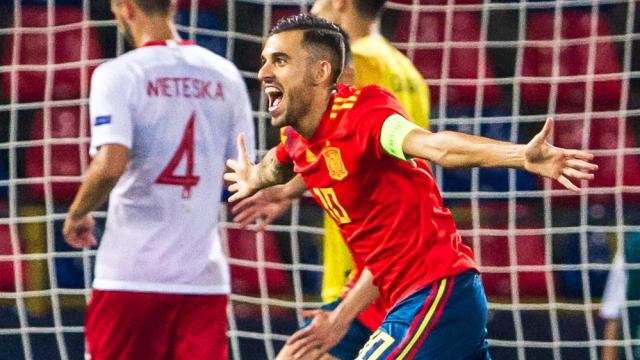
x: 92, y: 240
x: 243, y: 153
x: 75, y: 242
x: 545, y: 133
x: 310, y: 313
x: 233, y: 164
x: 246, y: 218
x: 305, y: 346
x: 298, y: 335
x: 230, y: 176
x: 581, y: 165
x: 577, y: 174
x: 242, y: 205
x: 578, y: 154
x: 268, y: 219
x: 568, y: 184
x: 233, y: 188
x: 236, y: 196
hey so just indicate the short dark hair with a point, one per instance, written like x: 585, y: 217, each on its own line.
x: 318, y: 33
x: 369, y: 8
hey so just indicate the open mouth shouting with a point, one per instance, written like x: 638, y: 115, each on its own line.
x: 275, y: 95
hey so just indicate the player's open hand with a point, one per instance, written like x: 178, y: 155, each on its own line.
x: 243, y: 176
x: 78, y: 232
x: 266, y: 205
x: 560, y: 164
x: 324, y: 332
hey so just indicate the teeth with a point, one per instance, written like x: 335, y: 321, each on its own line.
x: 275, y: 96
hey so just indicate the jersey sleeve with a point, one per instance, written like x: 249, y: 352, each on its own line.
x: 242, y: 122
x: 374, y: 106
x: 110, y: 107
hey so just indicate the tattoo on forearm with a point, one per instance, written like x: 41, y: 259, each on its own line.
x: 272, y: 172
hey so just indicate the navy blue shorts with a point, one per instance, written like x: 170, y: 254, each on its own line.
x: 446, y: 320
x: 353, y: 341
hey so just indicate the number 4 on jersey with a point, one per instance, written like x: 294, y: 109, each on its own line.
x: 188, y: 180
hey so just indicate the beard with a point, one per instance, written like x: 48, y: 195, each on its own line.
x: 298, y: 102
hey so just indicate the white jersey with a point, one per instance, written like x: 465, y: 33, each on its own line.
x: 614, y: 292
x: 178, y: 108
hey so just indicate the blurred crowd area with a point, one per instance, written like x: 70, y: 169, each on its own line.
x: 494, y: 68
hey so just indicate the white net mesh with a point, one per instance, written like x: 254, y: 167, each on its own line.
x: 494, y: 68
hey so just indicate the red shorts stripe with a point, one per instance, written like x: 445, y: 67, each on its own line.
x: 441, y: 305
x: 421, y: 318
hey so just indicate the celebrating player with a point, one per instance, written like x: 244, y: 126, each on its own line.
x: 375, y: 61
x: 364, y: 163
x: 164, y: 119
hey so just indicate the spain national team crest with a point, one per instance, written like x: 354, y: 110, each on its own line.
x: 334, y: 163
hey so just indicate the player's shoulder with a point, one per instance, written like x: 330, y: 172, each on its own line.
x: 204, y: 57
x: 374, y: 92
x: 115, y: 70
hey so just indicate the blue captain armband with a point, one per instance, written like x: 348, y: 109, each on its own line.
x: 394, y: 129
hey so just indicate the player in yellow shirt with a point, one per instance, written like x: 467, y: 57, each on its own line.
x: 375, y: 61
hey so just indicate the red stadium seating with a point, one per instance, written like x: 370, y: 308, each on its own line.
x: 573, y: 60
x: 464, y: 62
x: 603, y: 134
x: 7, y: 273
x: 529, y: 251
x: 279, y: 12
x: 244, y: 279
x: 33, y: 50
x: 65, y: 159
x: 494, y: 250
x: 202, y: 4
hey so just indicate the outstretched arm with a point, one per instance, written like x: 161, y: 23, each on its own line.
x: 328, y: 327
x: 452, y: 149
x: 246, y: 177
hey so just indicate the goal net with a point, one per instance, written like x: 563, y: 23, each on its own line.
x: 494, y: 68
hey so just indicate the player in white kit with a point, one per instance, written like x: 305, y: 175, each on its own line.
x: 164, y: 117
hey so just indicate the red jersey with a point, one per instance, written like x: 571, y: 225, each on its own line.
x: 390, y: 211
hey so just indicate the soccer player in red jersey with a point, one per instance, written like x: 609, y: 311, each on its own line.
x: 365, y: 165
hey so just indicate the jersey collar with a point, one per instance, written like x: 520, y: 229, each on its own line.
x: 167, y: 43
x: 324, y: 121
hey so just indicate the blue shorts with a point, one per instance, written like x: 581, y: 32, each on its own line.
x: 445, y: 320
x: 353, y: 341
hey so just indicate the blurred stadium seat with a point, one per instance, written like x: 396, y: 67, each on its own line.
x: 245, y: 279
x: 202, y: 4
x: 572, y: 61
x: 207, y: 20
x: 65, y: 159
x: 464, y: 61
x: 603, y: 135
x: 529, y: 249
x: 33, y: 50
x: 7, y: 273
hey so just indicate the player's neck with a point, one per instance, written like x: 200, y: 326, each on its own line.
x: 357, y: 27
x: 308, y: 125
x: 154, y: 30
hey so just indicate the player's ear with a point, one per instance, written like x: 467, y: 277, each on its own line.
x: 322, y: 72
x: 339, y: 5
x: 128, y: 10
